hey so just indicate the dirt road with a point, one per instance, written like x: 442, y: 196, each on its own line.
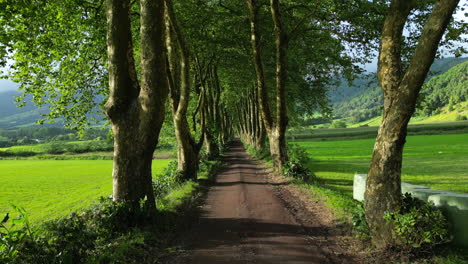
x: 244, y: 220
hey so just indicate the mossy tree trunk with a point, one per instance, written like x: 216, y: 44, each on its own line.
x: 401, y: 89
x: 136, y: 111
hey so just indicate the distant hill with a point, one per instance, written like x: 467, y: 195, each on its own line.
x: 447, y: 84
x: 11, y: 116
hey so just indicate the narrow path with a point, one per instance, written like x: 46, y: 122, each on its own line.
x: 245, y: 221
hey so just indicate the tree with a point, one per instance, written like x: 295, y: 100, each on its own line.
x: 136, y: 111
x: 275, y: 127
x: 401, y: 89
x: 64, y: 65
x: 312, y: 31
x: 179, y: 83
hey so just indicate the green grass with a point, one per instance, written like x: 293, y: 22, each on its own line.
x: 437, y: 161
x: 52, y: 188
x: 323, y: 134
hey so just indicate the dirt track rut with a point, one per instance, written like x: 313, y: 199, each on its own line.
x: 244, y: 221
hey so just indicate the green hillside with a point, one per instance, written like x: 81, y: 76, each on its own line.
x: 448, y: 89
x: 363, y: 83
x: 442, y: 97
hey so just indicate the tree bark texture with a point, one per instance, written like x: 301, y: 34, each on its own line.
x: 136, y: 112
x: 401, y: 89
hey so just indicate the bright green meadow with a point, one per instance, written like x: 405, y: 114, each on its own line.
x: 52, y: 188
x: 437, y: 161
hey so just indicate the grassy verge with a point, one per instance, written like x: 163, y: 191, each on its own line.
x: 109, y: 232
x: 51, y: 188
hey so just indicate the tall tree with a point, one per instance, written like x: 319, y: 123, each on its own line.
x: 401, y: 88
x: 136, y: 111
x: 180, y: 89
x: 275, y: 127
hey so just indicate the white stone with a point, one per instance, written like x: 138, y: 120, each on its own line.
x: 359, y: 186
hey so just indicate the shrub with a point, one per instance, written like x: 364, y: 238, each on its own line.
x: 54, y: 148
x: 461, y: 117
x: 208, y: 169
x: 418, y: 224
x: 13, y: 234
x: 338, y: 124
x: 17, y: 153
x: 298, y: 153
x: 78, y: 237
x: 164, y: 182
x: 263, y: 154
x: 360, y: 223
x: 296, y: 170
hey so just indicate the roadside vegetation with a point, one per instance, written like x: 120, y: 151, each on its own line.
x: 52, y: 188
x: 65, y: 222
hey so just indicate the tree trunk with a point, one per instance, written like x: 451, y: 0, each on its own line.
x: 275, y: 129
x: 383, y: 189
x: 136, y: 113
x: 212, y: 149
x: 187, y: 155
x: 179, y: 80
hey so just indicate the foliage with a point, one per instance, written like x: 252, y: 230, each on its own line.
x: 163, y: 183
x: 298, y: 153
x: 296, y: 170
x: 359, y: 222
x: 449, y: 88
x: 63, y: 65
x: 75, y: 238
x: 418, y: 224
x: 263, y: 154
x: 14, y: 233
x: 208, y: 169
x: 338, y: 124
x: 298, y: 160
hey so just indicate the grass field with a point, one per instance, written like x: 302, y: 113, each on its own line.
x: 371, y: 131
x: 437, y: 161
x: 51, y: 188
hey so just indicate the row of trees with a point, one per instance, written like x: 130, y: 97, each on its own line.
x: 227, y: 68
